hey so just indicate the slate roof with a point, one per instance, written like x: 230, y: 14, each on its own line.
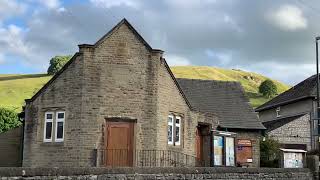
x: 226, y: 99
x: 302, y: 90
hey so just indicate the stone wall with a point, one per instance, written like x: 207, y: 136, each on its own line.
x: 254, y: 137
x: 64, y: 94
x: 294, y: 132
x: 155, y: 173
x: 10, y: 147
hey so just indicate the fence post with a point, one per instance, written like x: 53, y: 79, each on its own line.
x: 313, y: 165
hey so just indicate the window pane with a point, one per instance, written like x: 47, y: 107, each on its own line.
x: 177, y: 121
x: 177, y: 134
x: 49, y: 116
x: 60, y: 115
x: 169, y: 133
x: 60, y: 130
x: 169, y: 119
x: 48, y: 130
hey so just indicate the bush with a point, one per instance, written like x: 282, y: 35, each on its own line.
x: 269, y: 153
x: 56, y: 63
x: 8, y: 119
x: 268, y: 88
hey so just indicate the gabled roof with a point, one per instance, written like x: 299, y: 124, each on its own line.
x: 303, y: 90
x: 226, y: 99
x: 123, y: 21
x: 126, y: 22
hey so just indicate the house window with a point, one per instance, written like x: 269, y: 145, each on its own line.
x: 59, y: 126
x: 54, y: 120
x: 278, y: 112
x: 170, y: 129
x: 48, y: 127
x: 174, y: 130
x: 177, y: 137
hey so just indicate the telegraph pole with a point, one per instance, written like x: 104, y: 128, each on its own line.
x: 318, y: 100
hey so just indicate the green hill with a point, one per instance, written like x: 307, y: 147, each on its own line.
x: 14, y: 88
x: 249, y: 80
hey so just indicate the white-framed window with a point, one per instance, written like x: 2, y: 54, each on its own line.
x: 278, y: 111
x: 174, y: 130
x: 170, y: 129
x: 48, y: 123
x: 59, y: 130
x: 177, y: 130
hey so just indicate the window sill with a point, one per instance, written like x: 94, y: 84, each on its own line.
x: 52, y: 144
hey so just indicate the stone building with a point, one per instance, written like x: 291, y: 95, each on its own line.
x: 116, y: 102
x: 290, y: 117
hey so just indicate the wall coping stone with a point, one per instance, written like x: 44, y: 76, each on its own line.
x: 41, y: 171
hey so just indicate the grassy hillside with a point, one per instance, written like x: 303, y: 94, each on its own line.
x: 249, y: 80
x: 14, y: 88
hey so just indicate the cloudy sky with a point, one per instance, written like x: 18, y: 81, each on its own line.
x: 275, y: 38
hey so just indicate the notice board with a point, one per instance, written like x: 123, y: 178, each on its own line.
x: 244, y: 151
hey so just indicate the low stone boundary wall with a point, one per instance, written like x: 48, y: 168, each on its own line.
x: 154, y: 173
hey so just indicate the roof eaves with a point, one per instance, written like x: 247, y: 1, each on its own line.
x: 262, y: 107
x: 177, y: 84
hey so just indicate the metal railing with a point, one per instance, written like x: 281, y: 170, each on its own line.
x: 145, y: 158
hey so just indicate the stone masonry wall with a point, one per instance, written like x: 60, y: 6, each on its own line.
x: 294, y: 132
x: 255, y: 140
x: 156, y: 173
x: 64, y: 94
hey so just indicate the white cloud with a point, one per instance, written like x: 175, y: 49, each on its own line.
x: 111, y: 3
x: 175, y: 60
x: 224, y: 58
x: 284, y: 72
x: 288, y: 18
x: 2, y: 59
x: 10, y: 8
x: 51, y: 4
x: 12, y: 43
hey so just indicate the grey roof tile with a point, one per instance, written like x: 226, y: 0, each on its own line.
x: 226, y: 99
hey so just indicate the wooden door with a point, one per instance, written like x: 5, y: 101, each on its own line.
x: 199, y: 144
x: 119, y: 144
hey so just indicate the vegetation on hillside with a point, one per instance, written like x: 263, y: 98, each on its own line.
x: 15, y: 88
x: 268, y: 89
x: 56, y: 63
x: 249, y: 80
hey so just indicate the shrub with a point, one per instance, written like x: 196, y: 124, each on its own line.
x: 268, y: 88
x: 8, y: 119
x: 269, y: 152
x: 56, y: 63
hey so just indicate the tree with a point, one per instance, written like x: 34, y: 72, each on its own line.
x: 56, y: 63
x: 269, y: 152
x: 268, y: 88
x: 8, y: 119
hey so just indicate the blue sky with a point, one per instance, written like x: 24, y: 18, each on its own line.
x: 274, y: 38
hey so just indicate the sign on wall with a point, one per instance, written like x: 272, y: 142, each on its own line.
x: 230, y: 151
x: 244, y: 151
